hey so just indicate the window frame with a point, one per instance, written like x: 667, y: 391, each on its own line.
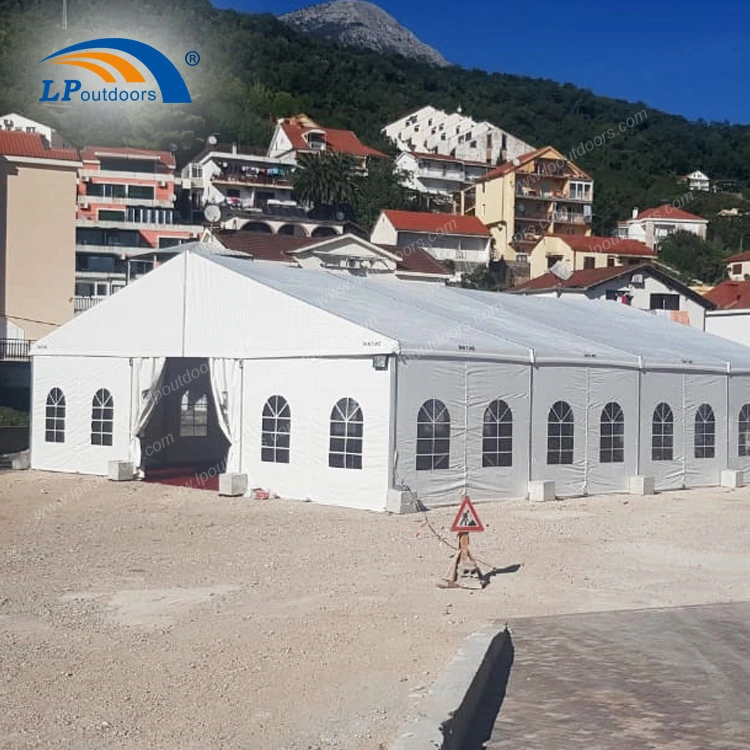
x: 54, y: 416
x: 497, y: 448
x: 346, y: 430
x: 190, y: 426
x: 560, y: 427
x: 276, y: 430
x: 433, y: 446
x: 102, y: 418
x: 612, y: 434
x: 743, y: 434
x: 664, y: 436
x: 704, y: 435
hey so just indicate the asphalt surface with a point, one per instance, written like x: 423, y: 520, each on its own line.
x: 661, y: 678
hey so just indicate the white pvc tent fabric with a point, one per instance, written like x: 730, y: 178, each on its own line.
x: 309, y: 335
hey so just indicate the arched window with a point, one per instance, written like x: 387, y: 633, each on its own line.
x: 497, y: 435
x: 560, y: 434
x: 662, y: 433
x: 102, y: 418
x: 54, y: 428
x: 743, y: 446
x: 275, y: 435
x: 347, y: 430
x: 704, y: 442
x: 194, y: 414
x: 433, y: 436
x: 612, y: 435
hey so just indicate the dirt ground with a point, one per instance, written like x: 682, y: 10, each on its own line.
x: 144, y: 616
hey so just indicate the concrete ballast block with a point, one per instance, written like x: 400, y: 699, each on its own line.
x: 640, y: 485
x: 233, y: 485
x: 541, y: 491
x: 401, y: 501
x: 121, y: 471
x: 732, y: 478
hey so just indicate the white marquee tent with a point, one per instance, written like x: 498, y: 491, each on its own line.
x: 336, y: 387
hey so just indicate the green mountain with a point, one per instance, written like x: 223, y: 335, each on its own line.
x: 254, y: 68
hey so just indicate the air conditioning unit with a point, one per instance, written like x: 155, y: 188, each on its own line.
x: 353, y: 263
x: 162, y: 183
x: 637, y: 278
x: 85, y: 204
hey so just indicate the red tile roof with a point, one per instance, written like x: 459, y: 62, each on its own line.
x: 739, y: 258
x: 593, y: 277
x: 667, y: 211
x: 32, y: 146
x: 415, y: 260
x: 730, y: 295
x: 93, y: 153
x: 417, y: 221
x: 511, y: 166
x: 263, y: 246
x: 580, y: 279
x: 343, y: 141
x: 606, y: 245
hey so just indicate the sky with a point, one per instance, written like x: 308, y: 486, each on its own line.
x: 688, y: 57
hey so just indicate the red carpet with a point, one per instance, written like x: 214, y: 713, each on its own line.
x: 195, y: 477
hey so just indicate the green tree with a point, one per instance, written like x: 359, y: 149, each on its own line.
x: 694, y: 258
x: 327, y: 180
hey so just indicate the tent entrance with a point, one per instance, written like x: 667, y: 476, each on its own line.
x: 183, y: 443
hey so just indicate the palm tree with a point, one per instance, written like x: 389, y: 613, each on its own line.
x: 326, y: 180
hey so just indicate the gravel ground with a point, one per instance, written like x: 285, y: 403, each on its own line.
x: 136, y: 616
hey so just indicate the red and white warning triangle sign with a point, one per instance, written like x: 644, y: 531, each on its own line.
x: 466, y: 519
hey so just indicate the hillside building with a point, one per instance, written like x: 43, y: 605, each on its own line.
x: 433, y: 131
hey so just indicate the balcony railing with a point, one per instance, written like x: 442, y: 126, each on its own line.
x: 81, y: 304
x: 18, y: 350
x: 569, y: 219
x: 239, y: 178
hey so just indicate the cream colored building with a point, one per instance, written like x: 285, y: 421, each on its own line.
x: 654, y: 225
x: 37, y: 235
x: 738, y: 266
x: 580, y: 253
x: 521, y: 201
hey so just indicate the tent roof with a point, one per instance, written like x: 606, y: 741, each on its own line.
x: 212, y: 305
x: 431, y: 318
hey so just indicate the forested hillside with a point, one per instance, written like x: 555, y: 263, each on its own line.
x: 254, y: 69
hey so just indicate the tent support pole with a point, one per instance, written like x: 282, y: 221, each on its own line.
x: 728, y: 413
x: 242, y: 407
x: 638, y: 445
x: 531, y: 418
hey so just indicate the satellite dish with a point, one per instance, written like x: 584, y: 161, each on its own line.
x: 212, y: 213
x: 340, y: 215
x: 562, y: 270
x: 211, y: 140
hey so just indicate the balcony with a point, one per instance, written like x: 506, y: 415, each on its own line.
x: 570, y: 219
x: 15, y: 350
x: 247, y: 178
x: 568, y: 198
x: 81, y: 304
x: 537, y: 194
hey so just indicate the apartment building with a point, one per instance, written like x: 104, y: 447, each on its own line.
x: 126, y: 211
x: 463, y: 240
x: 437, y: 174
x: 584, y: 253
x: 431, y: 130
x: 300, y: 134
x: 37, y: 235
x: 540, y: 193
x: 654, y: 225
x: 236, y: 178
